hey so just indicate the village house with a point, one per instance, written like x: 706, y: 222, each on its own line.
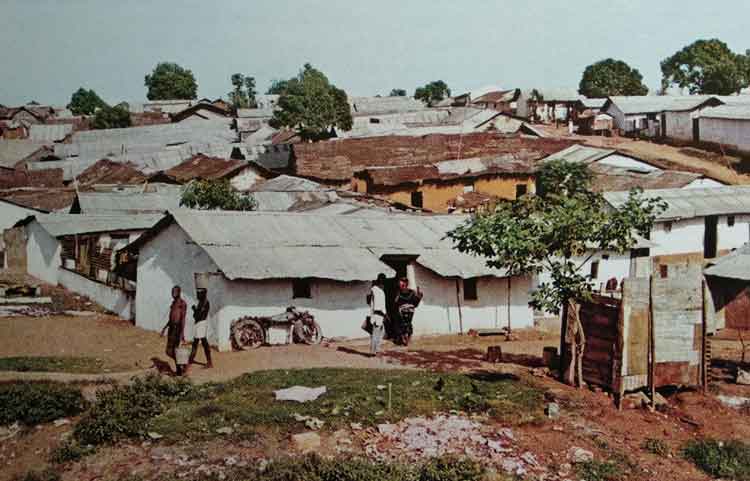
x: 200, y: 111
x: 698, y: 224
x: 241, y: 174
x: 259, y: 264
x: 78, y: 252
x: 335, y: 162
x: 547, y: 105
x: 726, y: 127
x: 657, y: 116
x: 728, y: 279
x: 500, y: 100
x: 10, y: 213
x: 435, y: 187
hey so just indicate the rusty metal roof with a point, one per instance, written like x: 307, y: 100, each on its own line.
x: 698, y: 202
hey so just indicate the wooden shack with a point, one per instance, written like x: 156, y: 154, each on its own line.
x: 656, y: 334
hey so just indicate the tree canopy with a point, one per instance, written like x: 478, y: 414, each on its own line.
x: 397, y: 93
x: 707, y: 67
x: 277, y: 87
x: 611, y: 77
x: 243, y: 94
x: 555, y: 231
x: 107, y: 117
x: 85, y: 102
x: 169, y: 81
x: 433, y: 92
x: 215, y: 195
x: 312, y: 106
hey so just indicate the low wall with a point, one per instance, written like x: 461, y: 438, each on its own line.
x: 110, y: 298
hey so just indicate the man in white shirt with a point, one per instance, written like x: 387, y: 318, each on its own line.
x: 378, y: 312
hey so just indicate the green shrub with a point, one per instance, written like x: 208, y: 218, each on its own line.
x: 656, y: 446
x: 39, y: 402
x: 720, y: 459
x: 451, y: 469
x: 126, y: 410
x: 46, y: 475
x: 70, y: 451
x: 599, y: 471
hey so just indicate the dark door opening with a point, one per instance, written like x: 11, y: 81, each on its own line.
x: 398, y: 264
x: 710, y: 237
x: 663, y: 126
x: 696, y: 130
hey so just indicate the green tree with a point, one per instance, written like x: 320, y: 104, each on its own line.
x: 556, y: 231
x: 169, y: 81
x: 397, y: 93
x: 243, y: 95
x: 277, y: 87
x: 116, y: 117
x: 85, y: 102
x: 611, y: 77
x: 312, y: 106
x: 215, y: 195
x: 706, y: 67
x: 433, y: 92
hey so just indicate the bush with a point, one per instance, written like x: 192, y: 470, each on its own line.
x: 70, y: 451
x: 46, y: 475
x: 451, y: 469
x: 720, y: 459
x: 126, y: 410
x: 33, y: 403
x: 599, y: 471
x: 656, y: 446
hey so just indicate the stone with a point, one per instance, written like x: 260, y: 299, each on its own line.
x: 309, y: 441
x: 659, y: 400
x: 225, y: 430
x: 743, y: 377
x: 578, y: 455
x: 61, y: 422
x: 154, y: 435
x: 300, y: 393
x: 635, y: 400
x: 355, y: 426
x: 552, y: 410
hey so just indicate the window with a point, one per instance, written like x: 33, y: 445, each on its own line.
x: 301, y: 289
x: 730, y: 221
x: 663, y: 271
x: 469, y: 188
x: 374, y: 120
x: 668, y: 227
x: 417, y: 199
x: 521, y: 190
x: 594, y: 274
x: 470, y: 289
x: 605, y: 257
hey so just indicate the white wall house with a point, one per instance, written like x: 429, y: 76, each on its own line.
x: 698, y: 223
x: 10, y: 213
x: 726, y: 125
x: 259, y: 264
x: 77, y: 252
x: 656, y: 115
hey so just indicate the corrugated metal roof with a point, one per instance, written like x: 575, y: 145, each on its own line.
x: 689, y: 203
x: 49, y: 133
x: 644, y: 104
x: 735, y: 265
x: 12, y: 151
x: 593, y: 103
x: 257, y: 245
x: 733, y: 112
x: 288, y: 183
x: 581, y: 153
x: 382, y: 105
x: 568, y: 94
x: 109, y: 203
x: 69, y: 224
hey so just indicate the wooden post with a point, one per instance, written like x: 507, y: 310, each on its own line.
x: 390, y: 395
x: 704, y: 333
x: 651, y: 344
x: 509, y: 287
x: 563, y: 350
x: 458, y: 303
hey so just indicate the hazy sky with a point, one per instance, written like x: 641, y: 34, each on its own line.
x: 51, y: 47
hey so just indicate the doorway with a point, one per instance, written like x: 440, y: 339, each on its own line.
x: 710, y: 237
x: 696, y: 130
x: 398, y: 263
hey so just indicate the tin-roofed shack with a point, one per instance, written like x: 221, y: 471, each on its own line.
x: 261, y: 263
x: 335, y: 162
x: 77, y: 252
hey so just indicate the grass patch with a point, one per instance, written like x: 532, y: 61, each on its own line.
x: 33, y: 403
x: 600, y: 471
x: 74, y: 365
x: 730, y: 459
x: 70, y: 451
x: 354, y: 395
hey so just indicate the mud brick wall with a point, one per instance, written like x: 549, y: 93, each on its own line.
x: 339, y: 159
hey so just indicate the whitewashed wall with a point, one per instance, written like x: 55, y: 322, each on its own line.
x: 43, y: 254
x: 167, y: 260
x: 686, y: 235
x: 110, y: 298
x: 736, y: 235
x: 438, y: 312
x: 680, y: 125
x: 728, y: 132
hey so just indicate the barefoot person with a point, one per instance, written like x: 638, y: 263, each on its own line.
x: 406, y: 303
x: 175, y: 327
x: 200, y: 314
x: 377, y: 313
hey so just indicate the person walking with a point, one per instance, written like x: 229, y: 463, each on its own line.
x: 377, y: 313
x: 406, y: 303
x: 200, y: 315
x: 175, y: 327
